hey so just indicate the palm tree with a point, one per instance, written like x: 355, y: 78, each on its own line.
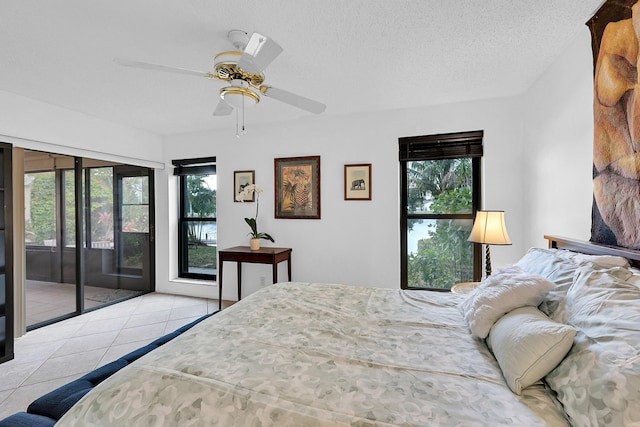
x: 201, y: 203
x: 428, y: 179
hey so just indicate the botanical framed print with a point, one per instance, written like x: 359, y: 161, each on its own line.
x: 357, y: 182
x: 240, y: 180
x: 297, y: 192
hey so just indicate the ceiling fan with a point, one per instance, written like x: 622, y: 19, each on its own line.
x: 243, y: 70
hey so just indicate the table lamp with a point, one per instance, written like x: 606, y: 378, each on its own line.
x: 489, y: 229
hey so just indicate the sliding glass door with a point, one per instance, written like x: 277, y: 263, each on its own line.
x: 111, y: 206
x: 134, y: 231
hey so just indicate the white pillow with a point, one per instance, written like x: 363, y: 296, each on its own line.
x: 528, y: 345
x: 605, y: 261
x: 598, y: 382
x: 498, y: 294
x: 559, y: 270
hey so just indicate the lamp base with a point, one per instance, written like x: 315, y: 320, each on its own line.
x: 488, y: 261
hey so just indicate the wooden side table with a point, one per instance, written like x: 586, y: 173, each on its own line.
x: 465, y: 287
x: 241, y: 254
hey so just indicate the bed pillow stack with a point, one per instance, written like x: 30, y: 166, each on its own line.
x: 526, y: 343
x: 506, y: 290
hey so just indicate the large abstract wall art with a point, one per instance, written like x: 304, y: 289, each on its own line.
x: 616, y: 158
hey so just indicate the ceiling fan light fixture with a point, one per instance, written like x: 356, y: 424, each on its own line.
x: 235, y: 96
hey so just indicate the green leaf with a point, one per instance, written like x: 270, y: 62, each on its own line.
x: 266, y: 237
x: 254, y: 230
x: 253, y: 225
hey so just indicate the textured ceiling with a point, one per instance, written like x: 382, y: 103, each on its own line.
x: 354, y: 56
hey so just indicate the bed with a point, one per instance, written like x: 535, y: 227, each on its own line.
x: 563, y: 350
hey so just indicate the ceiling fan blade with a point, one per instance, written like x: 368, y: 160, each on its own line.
x: 258, y: 54
x: 293, y: 99
x: 223, y: 109
x: 157, y: 67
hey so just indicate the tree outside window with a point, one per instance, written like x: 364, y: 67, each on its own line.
x: 442, y: 256
x: 40, y: 208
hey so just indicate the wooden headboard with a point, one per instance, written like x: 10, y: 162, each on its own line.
x: 590, y: 248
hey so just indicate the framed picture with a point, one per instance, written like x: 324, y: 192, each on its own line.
x: 357, y: 182
x: 297, y: 192
x: 240, y: 180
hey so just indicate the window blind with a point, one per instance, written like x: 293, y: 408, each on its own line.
x: 199, y: 166
x: 441, y: 146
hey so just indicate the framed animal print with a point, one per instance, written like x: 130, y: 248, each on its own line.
x: 357, y: 182
x: 297, y: 192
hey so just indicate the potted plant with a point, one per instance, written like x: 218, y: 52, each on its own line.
x: 254, y: 235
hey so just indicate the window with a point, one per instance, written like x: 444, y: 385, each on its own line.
x: 69, y: 206
x: 133, y: 227
x: 101, y: 207
x: 197, y: 250
x: 40, y: 208
x: 440, y: 193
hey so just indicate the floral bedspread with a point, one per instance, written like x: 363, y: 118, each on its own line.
x: 305, y: 354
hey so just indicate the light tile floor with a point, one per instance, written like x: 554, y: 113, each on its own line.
x: 51, y: 356
x: 48, y: 300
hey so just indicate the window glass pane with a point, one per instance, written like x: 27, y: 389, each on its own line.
x: 135, y: 209
x: 1, y: 175
x: 133, y: 250
x: 69, y: 209
x: 3, y: 294
x: 101, y: 206
x: 201, y: 196
x: 201, y: 232
x: 2, y: 251
x: 2, y: 222
x: 40, y: 208
x: 135, y: 190
x: 135, y: 219
x: 439, y: 255
x: 201, y: 237
x: 440, y: 186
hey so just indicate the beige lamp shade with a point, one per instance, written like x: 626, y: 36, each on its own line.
x: 489, y: 228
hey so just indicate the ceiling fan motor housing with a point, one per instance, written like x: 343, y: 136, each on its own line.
x: 226, y: 68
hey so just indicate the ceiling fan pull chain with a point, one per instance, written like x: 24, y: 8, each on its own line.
x: 237, y: 133
x: 244, y: 131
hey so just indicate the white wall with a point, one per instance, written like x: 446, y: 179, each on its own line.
x: 558, y: 147
x: 355, y: 242
x: 36, y: 125
x: 537, y: 167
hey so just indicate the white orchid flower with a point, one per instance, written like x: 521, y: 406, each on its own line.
x: 247, y: 191
x: 253, y: 222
